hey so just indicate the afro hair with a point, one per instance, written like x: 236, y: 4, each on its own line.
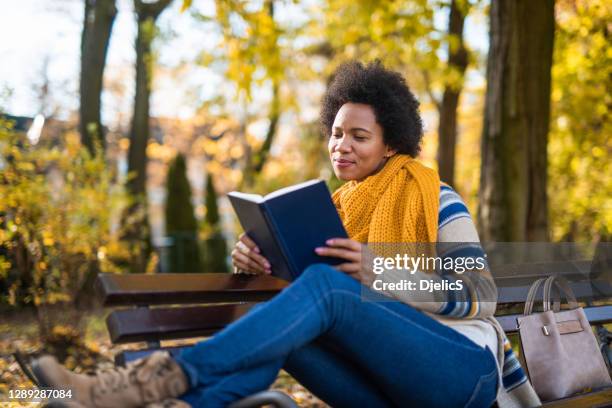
x: 386, y: 91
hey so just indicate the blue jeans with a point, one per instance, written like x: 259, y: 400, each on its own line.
x: 347, y: 351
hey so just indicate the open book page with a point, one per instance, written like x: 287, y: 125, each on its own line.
x: 290, y: 189
x: 256, y: 198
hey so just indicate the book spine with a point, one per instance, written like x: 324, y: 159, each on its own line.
x: 280, y: 243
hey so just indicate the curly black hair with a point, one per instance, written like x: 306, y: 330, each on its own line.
x: 386, y: 91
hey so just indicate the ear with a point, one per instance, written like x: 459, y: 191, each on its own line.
x: 390, y: 152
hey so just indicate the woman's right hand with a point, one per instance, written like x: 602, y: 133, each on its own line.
x: 247, y: 257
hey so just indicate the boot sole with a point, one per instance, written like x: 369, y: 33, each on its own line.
x: 25, y: 367
x: 43, y: 382
x: 38, y: 373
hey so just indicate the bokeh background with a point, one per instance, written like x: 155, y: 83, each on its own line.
x: 123, y: 124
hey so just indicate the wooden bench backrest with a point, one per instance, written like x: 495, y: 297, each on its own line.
x: 239, y: 292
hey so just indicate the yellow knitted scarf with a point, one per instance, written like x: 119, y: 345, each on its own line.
x: 399, y: 204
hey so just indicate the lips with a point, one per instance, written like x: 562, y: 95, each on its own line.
x: 343, y: 163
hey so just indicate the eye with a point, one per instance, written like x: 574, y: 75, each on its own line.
x: 336, y: 135
x: 360, y: 138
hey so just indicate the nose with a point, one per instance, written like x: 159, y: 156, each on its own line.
x: 343, y: 145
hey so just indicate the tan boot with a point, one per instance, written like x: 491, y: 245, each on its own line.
x: 155, y: 378
x: 169, y: 403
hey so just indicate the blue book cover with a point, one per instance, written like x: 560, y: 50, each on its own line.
x: 289, y: 224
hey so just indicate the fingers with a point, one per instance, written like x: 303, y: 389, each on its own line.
x: 346, y: 243
x: 244, y: 238
x: 245, y: 263
x: 263, y: 262
x: 349, y: 255
x: 245, y: 256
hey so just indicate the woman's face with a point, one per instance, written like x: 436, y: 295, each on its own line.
x: 356, y: 146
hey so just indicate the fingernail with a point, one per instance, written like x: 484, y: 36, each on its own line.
x: 318, y: 250
x: 267, y: 264
x: 256, y: 249
x: 329, y: 241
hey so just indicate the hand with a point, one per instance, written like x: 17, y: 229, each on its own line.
x: 246, y: 257
x: 354, y: 252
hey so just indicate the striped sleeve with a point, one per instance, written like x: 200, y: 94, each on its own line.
x: 452, y: 207
x: 458, y: 239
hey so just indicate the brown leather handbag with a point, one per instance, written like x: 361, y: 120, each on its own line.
x: 558, y: 348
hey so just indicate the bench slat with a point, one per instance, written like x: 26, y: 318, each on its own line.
x: 595, y: 314
x: 583, y: 290
x: 160, y: 289
x: 184, y: 288
x: 533, y: 270
x: 144, y: 324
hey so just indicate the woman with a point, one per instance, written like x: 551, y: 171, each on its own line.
x: 422, y: 350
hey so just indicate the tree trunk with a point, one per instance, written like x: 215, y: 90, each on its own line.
x: 147, y: 14
x: 257, y: 160
x: 513, y: 202
x: 139, y: 231
x: 447, y: 125
x: 97, y: 27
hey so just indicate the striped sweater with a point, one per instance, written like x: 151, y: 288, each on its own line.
x: 469, y: 311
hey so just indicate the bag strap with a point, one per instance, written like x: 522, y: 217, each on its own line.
x: 546, y: 294
x: 533, y: 290
x: 563, y: 286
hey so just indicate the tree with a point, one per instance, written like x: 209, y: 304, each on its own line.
x: 447, y: 108
x: 215, y: 248
x: 95, y: 37
x: 140, y: 235
x: 513, y: 197
x: 579, y: 149
x: 243, y: 54
x: 181, y: 224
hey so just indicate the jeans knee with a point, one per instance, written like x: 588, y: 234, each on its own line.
x: 321, y: 272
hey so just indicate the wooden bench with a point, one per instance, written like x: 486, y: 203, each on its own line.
x: 209, y: 302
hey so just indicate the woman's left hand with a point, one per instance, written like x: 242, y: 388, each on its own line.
x: 353, y: 252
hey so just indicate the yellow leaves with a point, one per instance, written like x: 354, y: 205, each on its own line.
x: 250, y: 46
x: 4, y: 267
x: 186, y: 4
x: 598, y: 152
x: 21, y: 166
x: 101, y: 253
x: 60, y: 202
x: 214, y: 167
x: 124, y: 143
x: 155, y: 151
x: 209, y: 146
x: 64, y: 331
x: 579, y: 146
x: 236, y: 152
x: 47, y: 238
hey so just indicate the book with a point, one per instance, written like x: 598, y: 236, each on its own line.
x: 288, y: 224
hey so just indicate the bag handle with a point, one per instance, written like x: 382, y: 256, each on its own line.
x: 533, y: 290
x: 563, y: 286
x: 546, y: 293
